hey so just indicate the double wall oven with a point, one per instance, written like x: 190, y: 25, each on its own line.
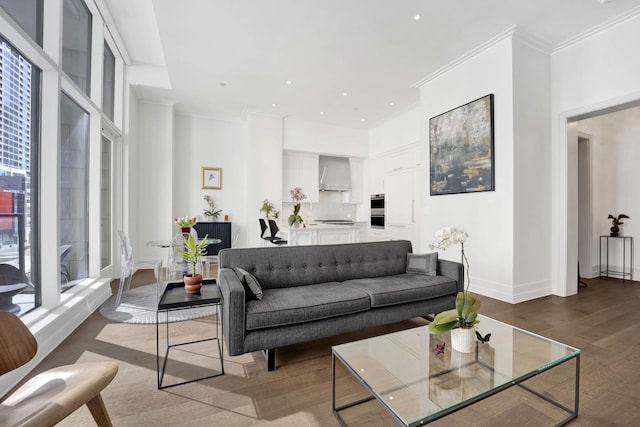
x: 377, y: 211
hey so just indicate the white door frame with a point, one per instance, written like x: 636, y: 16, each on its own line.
x: 586, y: 212
x: 564, y: 242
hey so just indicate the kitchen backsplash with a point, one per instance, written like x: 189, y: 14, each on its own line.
x: 330, y: 206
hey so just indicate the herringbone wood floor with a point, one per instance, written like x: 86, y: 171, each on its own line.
x: 602, y: 320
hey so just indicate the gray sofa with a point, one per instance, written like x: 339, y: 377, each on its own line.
x: 311, y: 292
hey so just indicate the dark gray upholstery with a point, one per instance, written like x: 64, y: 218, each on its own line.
x: 305, y: 265
x: 401, y: 288
x: 312, y: 292
x: 285, y: 306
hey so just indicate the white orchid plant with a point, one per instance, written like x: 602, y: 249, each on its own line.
x: 467, y: 306
x: 296, y: 197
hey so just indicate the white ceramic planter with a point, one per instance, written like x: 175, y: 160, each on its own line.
x: 463, y: 340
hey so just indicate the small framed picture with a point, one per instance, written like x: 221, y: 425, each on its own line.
x: 211, y: 178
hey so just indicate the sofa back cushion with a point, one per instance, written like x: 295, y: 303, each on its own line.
x: 286, y: 266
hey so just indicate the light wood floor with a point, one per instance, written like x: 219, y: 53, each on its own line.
x: 602, y: 320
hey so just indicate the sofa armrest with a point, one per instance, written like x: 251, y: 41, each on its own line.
x: 453, y: 270
x: 233, y: 303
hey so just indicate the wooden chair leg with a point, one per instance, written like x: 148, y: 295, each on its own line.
x: 99, y: 411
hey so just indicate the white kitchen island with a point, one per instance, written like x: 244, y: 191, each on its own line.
x: 321, y: 234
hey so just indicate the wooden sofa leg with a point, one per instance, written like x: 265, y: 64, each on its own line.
x: 99, y: 411
x: 270, y: 357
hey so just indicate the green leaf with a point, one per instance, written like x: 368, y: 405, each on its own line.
x: 459, y: 303
x: 445, y: 317
x: 471, y: 317
x: 441, y: 328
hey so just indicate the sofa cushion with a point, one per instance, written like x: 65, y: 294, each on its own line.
x: 285, y: 306
x: 401, y: 288
x: 422, y: 264
x: 251, y: 285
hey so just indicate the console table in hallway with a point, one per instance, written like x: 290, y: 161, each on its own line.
x: 606, y: 272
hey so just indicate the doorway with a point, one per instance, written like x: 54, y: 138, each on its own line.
x: 566, y: 248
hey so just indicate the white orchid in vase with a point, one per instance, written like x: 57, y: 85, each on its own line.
x: 296, y: 197
x: 467, y: 306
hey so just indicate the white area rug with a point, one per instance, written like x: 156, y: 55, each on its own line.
x: 138, y: 306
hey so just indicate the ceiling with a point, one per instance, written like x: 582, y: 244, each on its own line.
x: 350, y: 63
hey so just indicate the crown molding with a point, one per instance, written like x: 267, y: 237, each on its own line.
x: 465, y: 57
x: 597, y: 29
x: 531, y: 41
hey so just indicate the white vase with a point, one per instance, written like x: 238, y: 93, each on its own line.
x: 296, y: 223
x: 463, y: 340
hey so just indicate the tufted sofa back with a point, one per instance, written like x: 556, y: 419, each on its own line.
x: 286, y: 266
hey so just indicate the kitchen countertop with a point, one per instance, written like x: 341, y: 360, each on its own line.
x: 316, y: 226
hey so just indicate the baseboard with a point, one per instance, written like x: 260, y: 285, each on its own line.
x: 512, y: 294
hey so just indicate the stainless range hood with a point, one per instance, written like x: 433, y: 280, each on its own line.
x: 335, y: 173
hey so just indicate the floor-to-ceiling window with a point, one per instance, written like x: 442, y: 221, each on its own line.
x: 56, y: 178
x: 74, y: 188
x: 19, y: 88
x: 106, y: 179
x: 76, y: 43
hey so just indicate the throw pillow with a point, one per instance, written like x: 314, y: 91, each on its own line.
x: 422, y: 264
x: 250, y: 282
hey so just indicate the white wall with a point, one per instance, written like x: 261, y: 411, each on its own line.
x: 514, y: 220
x: 531, y: 172
x: 403, y: 129
x: 595, y: 73
x: 153, y: 177
x: 203, y: 141
x: 615, y: 151
x: 302, y: 135
x: 264, y: 159
x: 488, y: 217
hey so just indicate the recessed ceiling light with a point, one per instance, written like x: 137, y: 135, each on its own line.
x: 363, y: 120
x: 417, y: 16
x: 391, y: 104
x: 344, y: 94
x: 273, y: 105
x: 222, y: 84
x: 289, y: 82
x: 355, y: 108
x: 321, y: 113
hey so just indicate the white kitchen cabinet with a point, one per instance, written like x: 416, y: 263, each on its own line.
x: 320, y: 235
x: 376, y: 174
x: 399, y: 197
x: 357, y: 177
x: 407, y: 157
x: 377, y: 235
x: 300, y: 170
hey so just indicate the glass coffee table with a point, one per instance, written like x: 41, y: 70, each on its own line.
x: 417, y: 383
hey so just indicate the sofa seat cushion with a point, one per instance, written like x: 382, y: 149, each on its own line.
x: 402, y: 288
x: 285, y: 306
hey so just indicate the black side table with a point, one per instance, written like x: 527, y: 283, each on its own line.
x: 175, y: 298
x: 606, y: 272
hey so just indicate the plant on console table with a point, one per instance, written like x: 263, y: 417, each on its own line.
x: 212, y: 212
x: 296, y: 197
x: 191, y: 252
x: 461, y: 320
x: 185, y: 223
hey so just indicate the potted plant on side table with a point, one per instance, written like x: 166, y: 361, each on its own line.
x: 191, y: 252
x: 461, y: 320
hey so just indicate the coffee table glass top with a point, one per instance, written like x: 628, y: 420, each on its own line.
x: 417, y: 385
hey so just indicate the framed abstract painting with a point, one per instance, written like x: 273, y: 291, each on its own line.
x: 461, y: 149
